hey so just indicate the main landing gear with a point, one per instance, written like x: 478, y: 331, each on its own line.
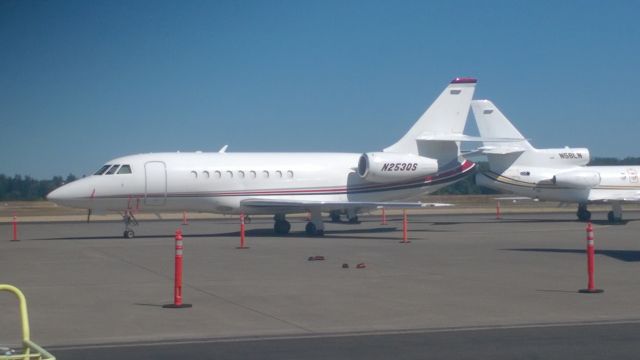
x: 615, y: 215
x: 315, y: 227
x: 281, y: 225
x: 352, y: 216
x: 583, y: 214
x: 129, y: 220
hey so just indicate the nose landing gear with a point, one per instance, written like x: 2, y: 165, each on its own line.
x: 129, y: 220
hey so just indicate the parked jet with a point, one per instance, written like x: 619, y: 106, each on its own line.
x: 424, y: 160
x: 550, y: 174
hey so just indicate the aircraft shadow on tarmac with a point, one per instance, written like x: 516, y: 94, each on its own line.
x: 356, y: 234
x: 623, y: 255
x: 529, y: 221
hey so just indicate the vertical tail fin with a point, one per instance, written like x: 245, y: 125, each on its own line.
x: 446, y: 116
x: 502, y: 155
x: 493, y: 124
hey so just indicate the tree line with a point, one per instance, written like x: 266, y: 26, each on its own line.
x: 26, y: 188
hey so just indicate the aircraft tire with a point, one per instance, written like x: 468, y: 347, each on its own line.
x: 584, y: 215
x: 310, y: 229
x: 282, y: 227
x: 612, y: 218
x: 335, y: 216
x: 354, y: 220
x: 128, y: 234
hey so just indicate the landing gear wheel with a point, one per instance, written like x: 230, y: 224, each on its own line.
x: 354, y: 220
x: 128, y: 234
x: 612, y: 217
x: 584, y: 215
x: 282, y: 227
x: 335, y: 216
x: 312, y: 230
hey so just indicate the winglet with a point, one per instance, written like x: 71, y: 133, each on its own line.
x: 223, y: 149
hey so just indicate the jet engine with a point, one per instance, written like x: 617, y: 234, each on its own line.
x: 383, y: 167
x: 583, y: 179
x: 566, y: 156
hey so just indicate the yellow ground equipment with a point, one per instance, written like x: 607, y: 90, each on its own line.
x: 30, y: 350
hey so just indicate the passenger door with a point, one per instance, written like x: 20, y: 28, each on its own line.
x: 155, y: 183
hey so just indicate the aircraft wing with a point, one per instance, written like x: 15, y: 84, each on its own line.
x: 632, y: 198
x: 304, y: 205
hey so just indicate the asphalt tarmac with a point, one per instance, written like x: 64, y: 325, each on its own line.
x: 466, y: 286
x: 595, y: 341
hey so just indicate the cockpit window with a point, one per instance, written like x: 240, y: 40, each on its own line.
x: 102, y: 169
x: 113, y: 169
x: 125, y: 169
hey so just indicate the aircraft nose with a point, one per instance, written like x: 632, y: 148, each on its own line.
x: 66, y: 195
x: 58, y: 194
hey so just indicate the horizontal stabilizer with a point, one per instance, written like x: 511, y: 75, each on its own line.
x: 462, y: 137
x: 501, y: 150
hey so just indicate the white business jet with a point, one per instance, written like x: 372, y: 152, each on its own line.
x: 424, y: 160
x: 550, y: 174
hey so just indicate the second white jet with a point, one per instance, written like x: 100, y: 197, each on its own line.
x: 550, y: 174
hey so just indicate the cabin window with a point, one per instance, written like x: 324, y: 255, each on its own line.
x: 279, y: 173
x: 265, y: 174
x: 252, y: 174
x: 241, y: 174
x: 230, y: 174
x: 102, y: 169
x: 290, y: 174
x: 217, y: 174
x: 113, y: 170
x: 205, y: 174
x: 125, y: 169
x: 194, y: 174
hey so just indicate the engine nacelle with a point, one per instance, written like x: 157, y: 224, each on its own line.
x: 387, y: 167
x: 570, y: 156
x: 583, y: 179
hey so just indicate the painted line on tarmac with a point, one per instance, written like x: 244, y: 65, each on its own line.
x: 343, y: 335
